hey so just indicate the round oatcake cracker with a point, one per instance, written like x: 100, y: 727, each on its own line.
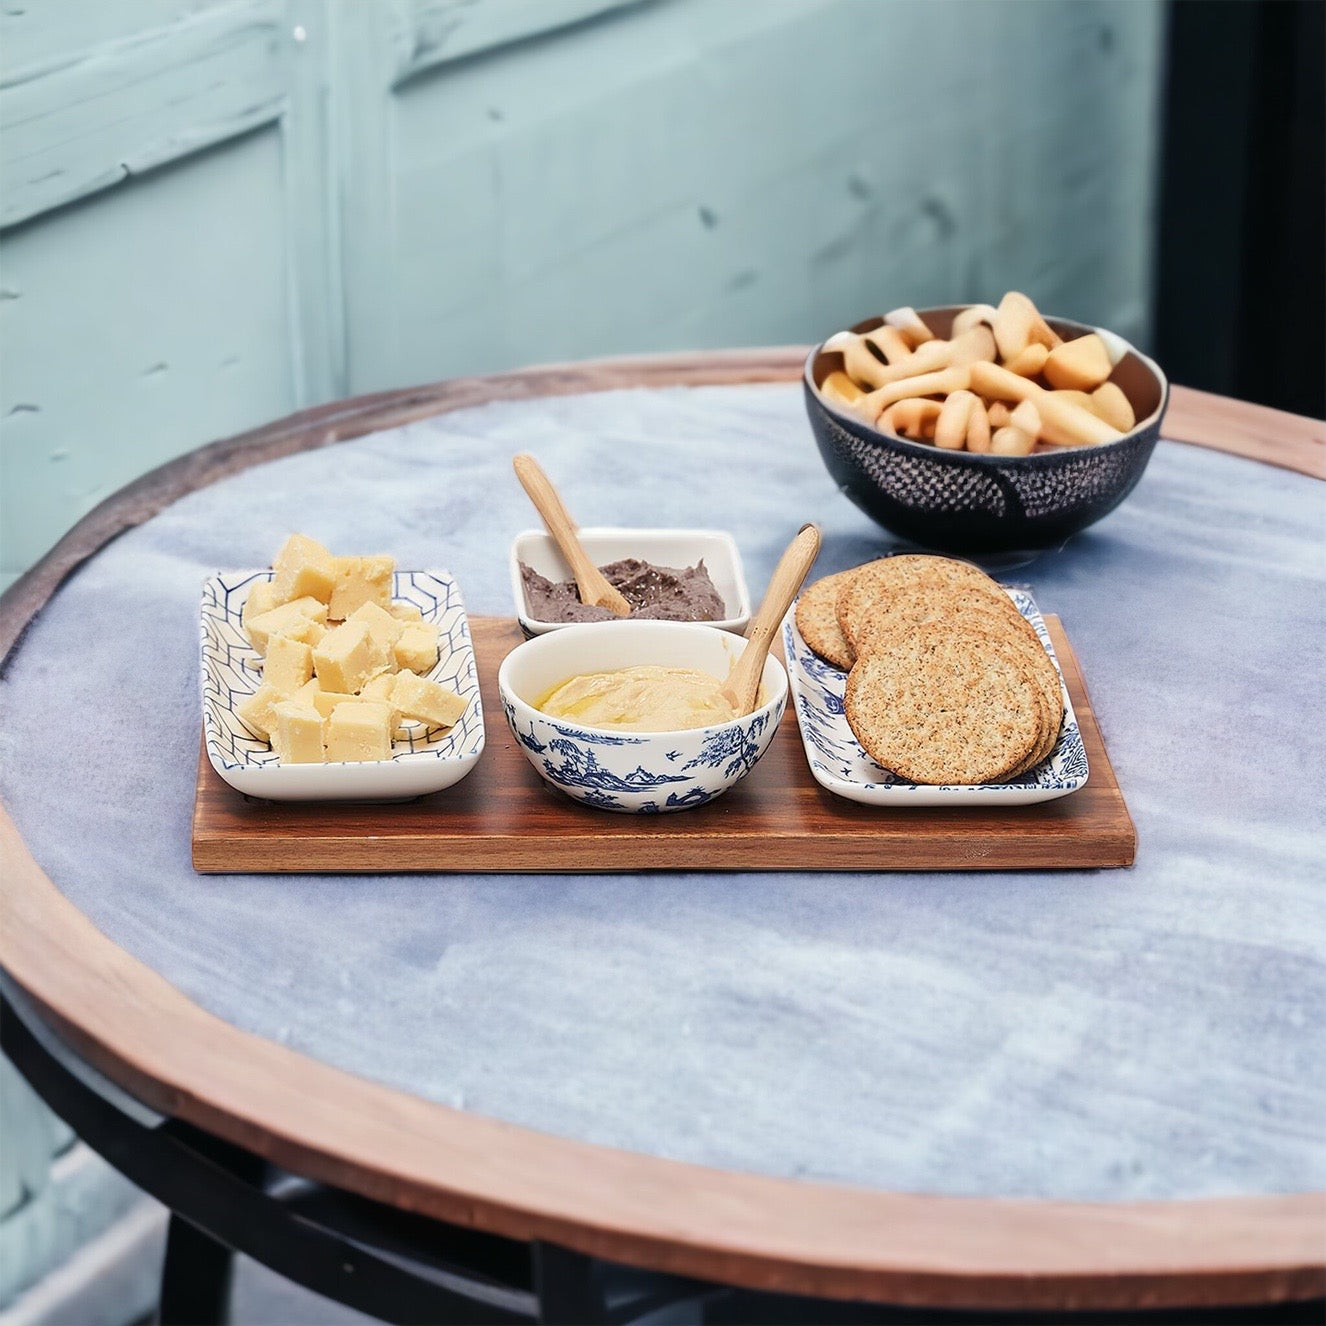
x: 817, y: 619
x: 945, y: 705
x: 878, y: 581
x: 956, y: 605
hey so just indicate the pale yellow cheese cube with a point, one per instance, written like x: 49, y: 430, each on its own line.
x: 303, y: 567
x: 288, y: 665
x: 297, y: 736
x: 379, y: 689
x: 361, y: 580
x: 406, y: 612
x: 325, y: 701
x: 428, y: 701
x: 384, y: 628
x: 359, y: 730
x: 293, y: 619
x: 256, y: 711
x: 380, y: 621
x: 417, y: 647
x: 262, y: 598
x: 345, y: 658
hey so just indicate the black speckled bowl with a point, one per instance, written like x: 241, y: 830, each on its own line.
x: 958, y: 501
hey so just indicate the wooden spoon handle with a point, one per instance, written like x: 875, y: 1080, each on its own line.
x: 593, y: 585
x: 743, y: 682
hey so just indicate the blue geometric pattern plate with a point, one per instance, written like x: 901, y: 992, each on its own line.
x: 839, y: 764
x: 423, y: 759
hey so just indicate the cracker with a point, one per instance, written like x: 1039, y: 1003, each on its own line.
x: 945, y: 705
x: 878, y: 581
x: 817, y: 619
x: 958, y: 605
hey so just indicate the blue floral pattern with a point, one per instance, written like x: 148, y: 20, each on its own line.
x: 608, y: 770
x: 838, y: 762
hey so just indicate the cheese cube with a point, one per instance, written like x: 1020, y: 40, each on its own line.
x: 359, y: 730
x: 293, y: 619
x: 262, y: 598
x: 288, y: 665
x: 379, y: 690
x: 428, y: 701
x: 297, y: 737
x: 255, y: 711
x: 383, y: 627
x: 325, y: 701
x: 417, y: 647
x: 303, y: 567
x: 361, y: 580
x: 345, y: 658
x: 406, y: 612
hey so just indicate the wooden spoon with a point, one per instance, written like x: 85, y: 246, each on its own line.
x: 743, y: 680
x: 593, y: 585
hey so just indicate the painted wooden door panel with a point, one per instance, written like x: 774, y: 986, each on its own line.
x: 363, y: 193
x: 695, y: 173
x: 162, y: 276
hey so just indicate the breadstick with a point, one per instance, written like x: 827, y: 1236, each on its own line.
x: 862, y: 365
x: 926, y: 384
x: 978, y: 343
x: 891, y: 343
x: 908, y: 321
x: 1029, y: 361
x: 978, y: 426
x: 973, y: 316
x: 1026, y: 417
x: 1109, y: 402
x: 1083, y: 364
x: 1010, y: 441
x: 839, y: 387
x: 914, y: 417
x: 954, y: 414
x: 1018, y: 323
x: 1068, y: 421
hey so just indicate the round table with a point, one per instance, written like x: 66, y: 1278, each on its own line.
x: 1021, y: 1090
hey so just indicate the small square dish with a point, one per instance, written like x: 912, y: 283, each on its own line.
x: 676, y: 548
x: 423, y: 759
x: 839, y: 764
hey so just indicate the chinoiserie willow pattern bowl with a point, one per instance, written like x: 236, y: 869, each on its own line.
x: 960, y: 501
x: 635, y: 772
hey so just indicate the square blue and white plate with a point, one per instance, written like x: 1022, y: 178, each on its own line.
x: 840, y: 764
x: 423, y: 759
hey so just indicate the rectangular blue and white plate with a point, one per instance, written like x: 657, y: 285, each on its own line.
x: 839, y: 764
x: 423, y: 759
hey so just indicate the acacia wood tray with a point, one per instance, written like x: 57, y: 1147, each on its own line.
x: 504, y: 818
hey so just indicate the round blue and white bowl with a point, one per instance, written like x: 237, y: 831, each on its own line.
x: 635, y: 772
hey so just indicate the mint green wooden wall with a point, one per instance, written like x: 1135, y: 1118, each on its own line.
x: 217, y: 211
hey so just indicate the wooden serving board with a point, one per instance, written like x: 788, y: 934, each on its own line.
x: 504, y: 818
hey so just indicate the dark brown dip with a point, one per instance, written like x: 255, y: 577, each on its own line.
x: 666, y: 593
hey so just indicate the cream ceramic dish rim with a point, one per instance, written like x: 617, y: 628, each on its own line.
x: 434, y: 761
x: 664, y: 537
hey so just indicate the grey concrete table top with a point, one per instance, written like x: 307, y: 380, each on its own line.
x: 1149, y: 1032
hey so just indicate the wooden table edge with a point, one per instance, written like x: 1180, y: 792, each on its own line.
x: 761, y: 1232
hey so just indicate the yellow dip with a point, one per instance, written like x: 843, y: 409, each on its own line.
x: 646, y: 698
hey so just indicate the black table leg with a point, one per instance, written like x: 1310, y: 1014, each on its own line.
x: 197, y: 1269
x: 567, y: 1286
x: 195, y: 1278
